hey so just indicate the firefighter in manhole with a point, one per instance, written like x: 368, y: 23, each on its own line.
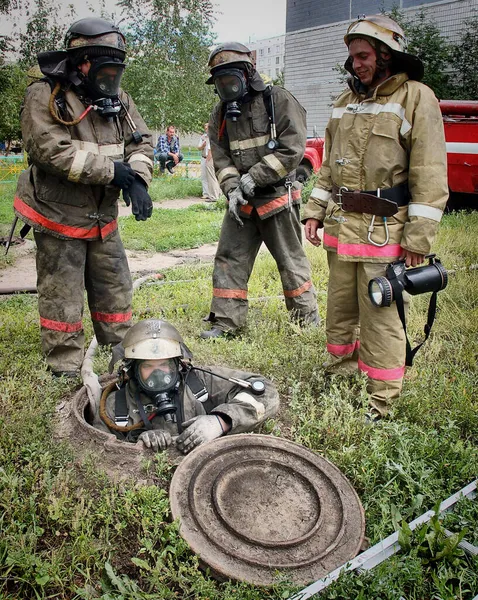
x: 160, y: 398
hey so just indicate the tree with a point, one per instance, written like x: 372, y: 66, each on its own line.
x: 13, y: 82
x: 168, y: 48
x: 465, y: 61
x: 426, y: 42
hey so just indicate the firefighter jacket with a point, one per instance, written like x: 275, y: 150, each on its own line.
x: 245, y: 410
x: 240, y: 147
x: 66, y: 190
x: 395, y: 136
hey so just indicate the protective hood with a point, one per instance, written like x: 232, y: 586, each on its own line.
x: 56, y: 64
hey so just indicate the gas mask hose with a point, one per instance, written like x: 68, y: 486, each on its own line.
x: 54, y: 114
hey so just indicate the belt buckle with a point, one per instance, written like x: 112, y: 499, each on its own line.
x: 342, y: 188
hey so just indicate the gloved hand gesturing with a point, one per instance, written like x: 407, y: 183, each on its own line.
x: 198, y: 431
x: 248, y: 185
x: 137, y: 195
x: 235, y: 199
x: 124, y: 175
x: 156, y: 439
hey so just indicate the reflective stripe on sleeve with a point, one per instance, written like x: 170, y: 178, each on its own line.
x: 140, y: 158
x: 248, y: 399
x: 256, y: 142
x: 223, y: 173
x: 275, y: 163
x: 77, y: 165
x: 423, y: 210
x: 320, y: 194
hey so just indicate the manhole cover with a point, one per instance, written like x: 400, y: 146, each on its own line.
x: 254, y: 505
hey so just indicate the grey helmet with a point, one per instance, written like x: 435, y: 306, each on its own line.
x: 91, y: 37
x: 226, y: 54
x: 154, y: 339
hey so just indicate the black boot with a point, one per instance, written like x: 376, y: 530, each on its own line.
x: 213, y: 333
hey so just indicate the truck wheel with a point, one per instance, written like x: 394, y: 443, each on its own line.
x: 302, y: 173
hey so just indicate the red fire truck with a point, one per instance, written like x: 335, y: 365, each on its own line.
x: 460, y: 119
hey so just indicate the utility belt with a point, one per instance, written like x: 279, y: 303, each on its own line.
x: 270, y: 190
x: 381, y: 202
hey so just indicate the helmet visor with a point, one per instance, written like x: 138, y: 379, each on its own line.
x: 155, y: 376
x: 230, y: 84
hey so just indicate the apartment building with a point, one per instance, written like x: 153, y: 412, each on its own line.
x: 269, y: 55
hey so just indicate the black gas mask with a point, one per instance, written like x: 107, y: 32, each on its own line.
x: 231, y: 87
x: 160, y: 384
x: 102, y: 84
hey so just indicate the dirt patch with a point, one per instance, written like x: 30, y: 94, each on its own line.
x: 22, y: 274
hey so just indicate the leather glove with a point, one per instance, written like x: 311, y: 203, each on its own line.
x: 156, y: 439
x: 124, y: 175
x: 236, y: 198
x: 199, y: 430
x: 248, y: 185
x: 138, y: 197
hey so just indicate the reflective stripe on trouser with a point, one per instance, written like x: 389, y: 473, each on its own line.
x: 235, y: 256
x: 64, y: 269
x: 381, y: 348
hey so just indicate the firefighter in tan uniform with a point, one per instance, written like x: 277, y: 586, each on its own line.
x: 85, y: 142
x: 161, y: 398
x: 380, y: 195
x: 257, y: 136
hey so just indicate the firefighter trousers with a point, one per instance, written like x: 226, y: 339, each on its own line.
x: 65, y: 268
x: 235, y: 256
x: 362, y: 335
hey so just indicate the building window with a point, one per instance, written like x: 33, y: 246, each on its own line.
x: 268, y: 50
x: 261, y: 52
x: 277, y: 48
x: 277, y: 60
x: 277, y: 72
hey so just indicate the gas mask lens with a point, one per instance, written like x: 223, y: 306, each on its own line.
x: 105, y: 76
x: 230, y: 85
x: 157, y: 376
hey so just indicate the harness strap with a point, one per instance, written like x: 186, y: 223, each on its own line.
x: 432, y: 307
x: 121, y: 408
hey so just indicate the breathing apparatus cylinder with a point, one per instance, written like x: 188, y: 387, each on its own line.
x: 429, y: 278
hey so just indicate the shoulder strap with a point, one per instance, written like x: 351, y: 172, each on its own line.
x: 121, y: 408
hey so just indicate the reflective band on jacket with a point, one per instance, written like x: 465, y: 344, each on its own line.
x: 236, y: 294
x: 94, y: 148
x: 61, y: 325
x: 249, y: 143
x: 423, y: 210
x: 372, y: 108
x: 298, y: 291
x: 343, y: 349
x: 381, y: 374
x: 140, y: 158
x: 223, y: 173
x: 320, y: 194
x: 277, y: 203
x: 275, y: 164
x: 248, y: 399
x: 111, y: 317
x: 388, y: 251
x: 66, y: 230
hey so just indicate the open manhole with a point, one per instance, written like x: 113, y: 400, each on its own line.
x: 256, y: 507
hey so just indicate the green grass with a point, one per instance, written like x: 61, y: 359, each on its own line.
x: 68, y: 532
x: 170, y: 188
x: 169, y: 229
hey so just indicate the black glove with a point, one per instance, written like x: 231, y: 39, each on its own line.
x: 124, y: 175
x: 136, y: 194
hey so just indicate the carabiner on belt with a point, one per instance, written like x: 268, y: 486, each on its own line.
x: 371, y: 228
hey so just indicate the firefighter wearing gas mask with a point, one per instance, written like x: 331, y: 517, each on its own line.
x: 160, y: 398
x: 257, y: 136
x: 86, y: 142
x: 380, y: 195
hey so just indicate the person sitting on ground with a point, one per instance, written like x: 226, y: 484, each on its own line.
x: 167, y: 151
x: 160, y: 398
